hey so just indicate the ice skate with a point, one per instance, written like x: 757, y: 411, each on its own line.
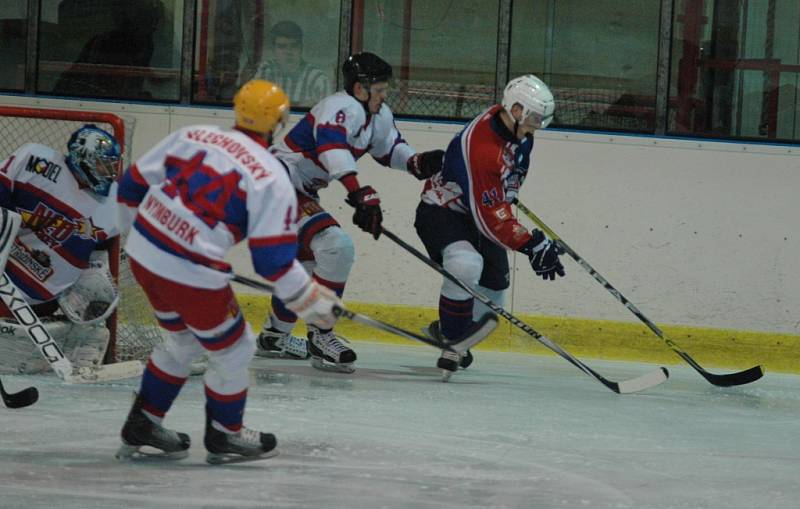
x: 448, y: 363
x: 328, y: 351
x: 244, y: 445
x: 276, y: 344
x: 433, y: 331
x: 158, y: 442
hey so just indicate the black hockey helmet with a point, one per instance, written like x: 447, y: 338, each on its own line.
x: 365, y: 67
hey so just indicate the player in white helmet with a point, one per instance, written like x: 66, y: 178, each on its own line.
x: 59, y: 258
x: 465, y: 218
x: 187, y: 201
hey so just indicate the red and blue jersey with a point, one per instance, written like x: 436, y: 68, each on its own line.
x: 198, y: 192
x: 483, y: 168
x: 62, y: 223
x: 328, y: 141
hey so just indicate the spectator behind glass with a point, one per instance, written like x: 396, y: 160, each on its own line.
x: 304, y: 84
x: 129, y: 43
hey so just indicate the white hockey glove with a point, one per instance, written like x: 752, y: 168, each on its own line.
x: 314, y: 304
x: 94, y: 296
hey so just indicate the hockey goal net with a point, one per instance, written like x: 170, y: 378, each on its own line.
x: 133, y: 328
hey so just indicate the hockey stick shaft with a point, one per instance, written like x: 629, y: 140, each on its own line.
x: 350, y: 315
x: 739, y: 378
x: 623, y: 387
x: 23, y: 398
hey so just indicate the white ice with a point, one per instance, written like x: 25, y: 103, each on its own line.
x: 512, y: 431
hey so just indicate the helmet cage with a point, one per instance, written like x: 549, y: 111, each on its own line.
x: 93, y: 157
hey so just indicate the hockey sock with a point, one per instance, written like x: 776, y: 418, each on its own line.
x: 281, y: 318
x: 158, y: 390
x: 455, y: 316
x: 226, y: 410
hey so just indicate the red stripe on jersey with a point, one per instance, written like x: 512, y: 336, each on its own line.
x: 49, y: 199
x: 271, y: 241
x: 178, y: 249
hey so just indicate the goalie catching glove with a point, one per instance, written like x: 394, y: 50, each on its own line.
x: 314, y: 304
x: 94, y: 296
x: 543, y: 255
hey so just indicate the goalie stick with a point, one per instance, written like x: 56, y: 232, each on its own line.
x: 625, y: 387
x: 23, y: 398
x: 726, y: 380
x: 473, y: 336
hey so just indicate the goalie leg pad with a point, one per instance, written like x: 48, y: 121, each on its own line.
x: 84, y: 346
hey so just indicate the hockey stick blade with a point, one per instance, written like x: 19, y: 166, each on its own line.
x: 21, y: 399
x: 726, y: 380
x: 105, y: 373
x: 356, y: 317
x: 637, y: 384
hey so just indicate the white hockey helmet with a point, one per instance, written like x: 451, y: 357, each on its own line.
x: 535, y: 98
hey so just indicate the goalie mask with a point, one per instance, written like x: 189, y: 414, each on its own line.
x: 93, y: 157
x: 533, y: 96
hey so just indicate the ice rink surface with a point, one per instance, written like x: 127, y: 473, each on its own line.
x: 512, y: 431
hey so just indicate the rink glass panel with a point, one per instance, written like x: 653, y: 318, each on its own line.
x: 599, y: 61
x: 13, y: 44
x: 736, y: 69
x: 444, y: 54
x: 233, y: 39
x: 728, y: 70
x: 111, y: 49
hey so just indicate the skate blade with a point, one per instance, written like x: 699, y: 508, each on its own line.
x: 136, y: 452
x: 331, y: 367
x: 446, y: 374
x: 226, y: 459
x: 274, y: 354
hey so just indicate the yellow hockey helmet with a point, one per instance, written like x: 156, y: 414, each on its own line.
x: 261, y: 106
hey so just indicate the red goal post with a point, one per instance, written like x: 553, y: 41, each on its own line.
x: 132, y: 323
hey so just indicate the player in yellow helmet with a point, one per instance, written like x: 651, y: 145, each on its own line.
x: 261, y: 107
x: 186, y: 202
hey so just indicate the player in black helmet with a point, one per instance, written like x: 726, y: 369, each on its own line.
x: 324, y: 147
x: 367, y: 69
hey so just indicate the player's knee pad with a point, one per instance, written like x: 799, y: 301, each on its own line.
x: 177, y: 352
x: 465, y: 263
x: 496, y: 296
x: 231, y: 362
x: 334, y: 254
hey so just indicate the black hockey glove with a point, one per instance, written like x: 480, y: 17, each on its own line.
x: 543, y: 254
x: 425, y: 164
x: 368, y: 214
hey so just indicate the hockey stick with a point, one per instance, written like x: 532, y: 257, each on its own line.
x: 634, y: 385
x: 23, y: 398
x: 474, y: 335
x: 727, y: 380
